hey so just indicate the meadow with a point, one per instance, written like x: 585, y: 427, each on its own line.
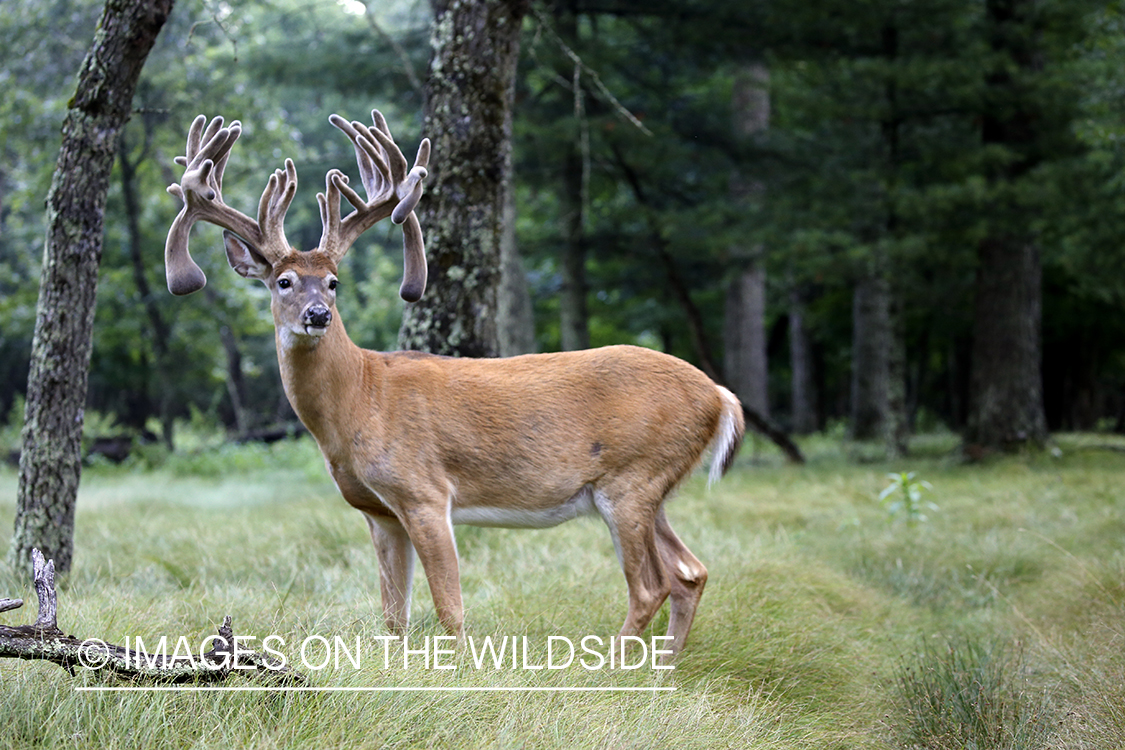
x: 831, y: 619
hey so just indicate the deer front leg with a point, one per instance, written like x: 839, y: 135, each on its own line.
x: 396, y: 570
x: 432, y: 535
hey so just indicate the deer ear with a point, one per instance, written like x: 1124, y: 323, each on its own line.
x: 244, y: 258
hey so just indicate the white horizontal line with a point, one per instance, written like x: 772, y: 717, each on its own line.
x: 398, y: 689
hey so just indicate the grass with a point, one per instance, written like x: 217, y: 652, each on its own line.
x: 827, y: 622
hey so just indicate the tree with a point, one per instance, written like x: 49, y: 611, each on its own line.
x: 50, y: 463
x: 1006, y: 399
x: 746, y: 364
x: 468, y: 97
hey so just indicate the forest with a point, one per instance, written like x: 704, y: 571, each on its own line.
x: 889, y: 226
x: 860, y: 216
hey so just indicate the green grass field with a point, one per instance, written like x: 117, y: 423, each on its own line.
x: 828, y: 621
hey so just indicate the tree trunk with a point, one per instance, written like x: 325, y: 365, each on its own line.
x: 802, y: 394
x: 573, y: 315
x: 1006, y: 386
x: 236, y: 384
x: 895, y: 424
x: 871, y: 345
x: 50, y: 463
x: 745, y: 362
x: 1006, y: 402
x: 468, y: 95
x: 515, y: 315
x: 896, y: 427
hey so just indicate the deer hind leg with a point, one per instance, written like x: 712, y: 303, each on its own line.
x: 632, y: 525
x: 396, y: 570
x: 688, y: 579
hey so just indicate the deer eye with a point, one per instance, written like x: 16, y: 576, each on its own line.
x: 332, y: 284
x: 284, y: 283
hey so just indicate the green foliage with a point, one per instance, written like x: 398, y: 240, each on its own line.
x: 902, y: 498
x: 873, y: 158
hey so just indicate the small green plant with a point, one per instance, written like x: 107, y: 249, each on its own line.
x: 903, y: 497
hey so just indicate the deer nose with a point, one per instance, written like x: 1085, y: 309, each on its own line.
x: 318, y: 316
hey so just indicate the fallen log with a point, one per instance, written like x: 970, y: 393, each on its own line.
x: 44, y: 641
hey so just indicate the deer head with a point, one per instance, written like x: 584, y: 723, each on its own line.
x: 258, y: 249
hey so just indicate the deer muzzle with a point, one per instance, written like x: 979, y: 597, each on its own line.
x: 316, y: 318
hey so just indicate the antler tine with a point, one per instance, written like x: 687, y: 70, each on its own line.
x: 391, y: 191
x: 371, y: 159
x: 414, y: 260
x: 200, y: 189
x: 410, y: 191
x: 277, y: 196
x: 329, y: 202
x: 382, y: 133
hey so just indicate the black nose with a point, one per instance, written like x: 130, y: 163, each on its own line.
x: 318, y: 316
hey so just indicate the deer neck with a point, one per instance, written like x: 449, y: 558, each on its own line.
x: 323, y: 379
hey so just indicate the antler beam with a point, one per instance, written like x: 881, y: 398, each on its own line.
x: 392, y: 190
x: 201, y: 188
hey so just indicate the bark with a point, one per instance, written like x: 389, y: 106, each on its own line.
x: 1006, y: 401
x: 896, y: 427
x: 468, y: 96
x: 878, y: 367
x: 515, y: 315
x: 745, y: 364
x: 895, y: 422
x: 236, y: 384
x: 802, y: 393
x: 516, y: 321
x: 50, y: 461
x: 1006, y: 389
x: 44, y: 641
x: 871, y: 345
x: 574, y: 316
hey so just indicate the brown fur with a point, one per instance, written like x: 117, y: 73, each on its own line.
x: 414, y: 440
x: 418, y: 442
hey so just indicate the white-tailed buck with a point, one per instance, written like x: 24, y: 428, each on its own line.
x: 419, y: 443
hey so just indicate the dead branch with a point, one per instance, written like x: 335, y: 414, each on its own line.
x: 44, y: 641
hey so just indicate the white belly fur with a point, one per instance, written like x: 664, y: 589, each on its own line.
x: 581, y: 504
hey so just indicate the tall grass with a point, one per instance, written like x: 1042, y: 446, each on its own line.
x: 826, y: 622
x: 972, y: 694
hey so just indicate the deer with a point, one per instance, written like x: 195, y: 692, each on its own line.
x: 420, y: 443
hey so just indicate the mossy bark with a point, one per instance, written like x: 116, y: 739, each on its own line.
x: 50, y: 462
x: 468, y: 96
